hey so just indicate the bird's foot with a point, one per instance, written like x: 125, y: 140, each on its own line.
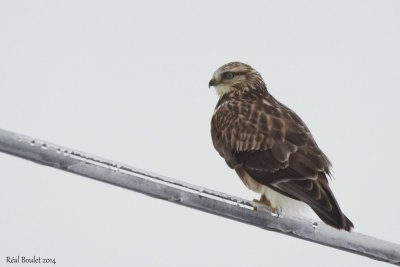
x: 265, y: 201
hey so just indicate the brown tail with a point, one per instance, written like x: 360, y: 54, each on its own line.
x: 334, y: 216
x: 318, y: 195
x: 339, y: 220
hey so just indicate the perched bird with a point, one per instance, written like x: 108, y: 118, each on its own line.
x: 269, y: 146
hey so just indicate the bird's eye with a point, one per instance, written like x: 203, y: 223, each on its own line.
x: 228, y: 75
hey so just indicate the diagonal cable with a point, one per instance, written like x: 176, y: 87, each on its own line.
x: 193, y: 196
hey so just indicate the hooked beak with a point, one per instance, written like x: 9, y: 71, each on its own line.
x: 212, y: 82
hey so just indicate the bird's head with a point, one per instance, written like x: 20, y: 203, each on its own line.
x: 235, y: 76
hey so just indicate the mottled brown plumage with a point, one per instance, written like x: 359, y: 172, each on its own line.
x: 268, y: 145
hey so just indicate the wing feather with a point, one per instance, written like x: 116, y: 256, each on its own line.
x: 268, y: 140
x: 273, y: 145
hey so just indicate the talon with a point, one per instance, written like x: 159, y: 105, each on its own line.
x: 265, y: 201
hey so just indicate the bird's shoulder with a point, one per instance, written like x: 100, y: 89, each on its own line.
x: 250, y: 128
x: 258, y: 113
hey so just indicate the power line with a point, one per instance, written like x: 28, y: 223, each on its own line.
x: 196, y: 197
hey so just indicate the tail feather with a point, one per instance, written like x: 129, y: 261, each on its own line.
x: 334, y: 216
x: 319, y: 197
x: 335, y: 219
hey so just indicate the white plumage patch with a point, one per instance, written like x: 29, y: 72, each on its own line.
x: 222, y: 89
x: 283, y: 203
x: 278, y: 201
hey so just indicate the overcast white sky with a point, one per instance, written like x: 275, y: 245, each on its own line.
x: 129, y: 81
